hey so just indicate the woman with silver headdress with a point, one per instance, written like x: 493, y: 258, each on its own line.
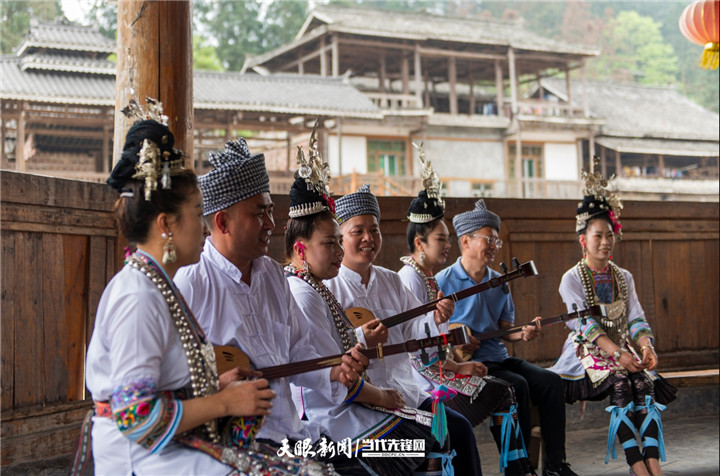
x: 598, y: 357
x: 478, y: 396
x: 159, y: 406
x: 314, y: 249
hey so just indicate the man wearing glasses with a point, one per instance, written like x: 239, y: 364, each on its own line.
x: 491, y: 310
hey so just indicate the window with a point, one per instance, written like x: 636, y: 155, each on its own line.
x: 532, y: 160
x: 388, y: 156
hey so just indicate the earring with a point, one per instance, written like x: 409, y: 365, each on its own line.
x: 169, y: 254
x: 421, y: 258
x: 301, y: 253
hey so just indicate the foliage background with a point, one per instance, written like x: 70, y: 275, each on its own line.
x: 639, y: 40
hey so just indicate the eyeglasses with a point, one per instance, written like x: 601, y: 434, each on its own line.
x: 490, y: 240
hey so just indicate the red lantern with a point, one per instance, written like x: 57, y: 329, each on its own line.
x: 699, y: 24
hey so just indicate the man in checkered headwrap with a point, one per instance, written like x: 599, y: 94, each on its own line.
x: 241, y: 298
x: 491, y: 310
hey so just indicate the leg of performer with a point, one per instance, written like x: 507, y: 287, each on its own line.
x: 621, y: 424
x: 505, y: 429
x: 522, y: 393
x: 546, y: 390
x: 648, y: 421
x: 462, y: 441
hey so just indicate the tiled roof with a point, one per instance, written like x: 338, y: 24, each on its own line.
x: 686, y: 148
x: 290, y: 94
x: 54, y: 87
x: 426, y: 26
x: 67, y: 63
x: 634, y: 110
x: 65, y: 36
x: 281, y: 94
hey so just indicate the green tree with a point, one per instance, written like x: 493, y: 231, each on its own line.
x: 104, y: 15
x: 204, y: 56
x: 15, y: 17
x: 282, y: 22
x: 633, y: 49
x: 235, y: 26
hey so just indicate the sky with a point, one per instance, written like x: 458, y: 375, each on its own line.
x: 75, y: 9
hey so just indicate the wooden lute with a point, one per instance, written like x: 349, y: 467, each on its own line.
x: 593, y: 311
x: 359, y: 316
x: 229, y: 357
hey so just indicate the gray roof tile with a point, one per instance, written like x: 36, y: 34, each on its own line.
x: 65, y: 36
x: 634, y: 110
x: 426, y: 26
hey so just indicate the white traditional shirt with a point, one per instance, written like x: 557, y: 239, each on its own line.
x: 259, y: 320
x: 343, y: 420
x: 568, y: 366
x: 385, y: 295
x: 416, y: 284
x: 135, y: 342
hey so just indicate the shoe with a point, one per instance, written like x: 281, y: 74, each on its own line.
x: 562, y: 469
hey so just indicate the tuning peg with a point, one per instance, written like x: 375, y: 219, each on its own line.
x: 504, y: 268
x: 585, y: 304
x: 516, y: 263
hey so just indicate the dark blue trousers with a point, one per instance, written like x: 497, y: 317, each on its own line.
x: 545, y: 390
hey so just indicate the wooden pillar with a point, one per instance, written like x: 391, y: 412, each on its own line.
x: 288, y: 149
x: 513, y: 81
x: 228, y: 126
x: 661, y: 165
x: 471, y: 82
x: 105, y: 167
x: 518, y: 162
x: 154, y: 58
x: 541, y: 92
x: 335, y: 56
x: 427, y: 90
x: 418, y: 76
x: 381, y: 74
x: 3, y: 158
x: 323, y: 59
x: 339, y: 139
x: 499, y: 89
x: 568, y: 89
x: 20, y: 140
x: 586, y: 109
x: 618, y: 165
x: 301, y: 66
x: 452, y: 75
x: 591, y: 149
x: 405, y: 65
x: 603, y: 161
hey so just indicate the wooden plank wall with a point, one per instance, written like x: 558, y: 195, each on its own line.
x: 59, y: 249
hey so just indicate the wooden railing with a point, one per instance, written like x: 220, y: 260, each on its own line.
x: 60, y: 248
x: 394, y: 101
x: 537, y: 107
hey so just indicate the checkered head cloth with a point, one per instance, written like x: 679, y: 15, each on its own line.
x: 477, y: 218
x: 235, y: 177
x: 362, y: 202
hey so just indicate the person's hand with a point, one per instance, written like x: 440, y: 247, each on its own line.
x: 629, y: 363
x: 375, y: 333
x: 354, y: 364
x: 247, y: 398
x: 391, y: 398
x: 236, y: 374
x: 649, y: 358
x: 471, y: 347
x: 477, y: 369
x: 444, y: 310
x: 531, y: 332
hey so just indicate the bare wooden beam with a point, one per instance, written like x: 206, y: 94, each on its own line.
x: 154, y: 58
x: 586, y: 108
x: 471, y: 82
x: 382, y: 77
x: 458, y: 54
x: 618, y: 165
x: 452, y: 75
x: 418, y: 74
x: 20, y: 141
x: 499, y: 89
x: 335, y: 56
x: 513, y: 80
x: 567, y: 84
x: 323, y: 58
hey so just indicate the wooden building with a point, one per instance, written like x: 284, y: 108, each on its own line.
x: 495, y: 106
